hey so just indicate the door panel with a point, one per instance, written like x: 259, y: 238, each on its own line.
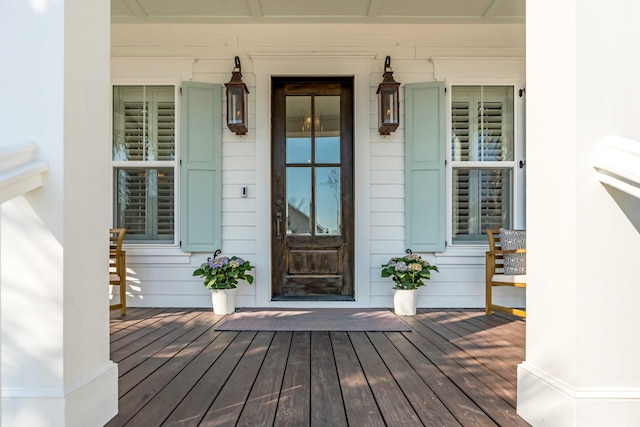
x: 312, y: 188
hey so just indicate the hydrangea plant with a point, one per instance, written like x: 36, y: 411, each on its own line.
x: 409, y: 271
x: 222, y: 272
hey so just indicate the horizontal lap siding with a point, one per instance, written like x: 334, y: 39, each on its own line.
x: 168, y: 281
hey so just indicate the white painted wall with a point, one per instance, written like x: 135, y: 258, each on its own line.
x: 582, y: 257
x: 55, y: 344
x: 151, y: 53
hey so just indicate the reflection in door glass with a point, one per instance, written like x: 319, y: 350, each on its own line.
x: 327, y: 119
x: 327, y: 204
x: 298, y: 200
x: 298, y: 113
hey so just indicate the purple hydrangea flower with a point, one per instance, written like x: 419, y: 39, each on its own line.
x: 401, y: 266
x: 219, y: 262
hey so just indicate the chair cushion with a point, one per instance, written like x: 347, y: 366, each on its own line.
x: 504, y: 278
x: 514, y: 264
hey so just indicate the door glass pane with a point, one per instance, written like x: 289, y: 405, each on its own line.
x: 482, y: 120
x: 327, y: 204
x: 298, y: 116
x: 481, y: 201
x: 327, y: 120
x: 298, y: 200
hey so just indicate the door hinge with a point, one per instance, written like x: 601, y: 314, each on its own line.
x: 180, y: 162
x: 180, y: 243
x: 522, y: 91
x: 445, y: 90
x: 181, y: 91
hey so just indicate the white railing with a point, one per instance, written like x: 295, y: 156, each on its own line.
x: 617, y: 161
x: 19, y: 172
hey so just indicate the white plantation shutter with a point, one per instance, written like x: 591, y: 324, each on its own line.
x: 144, y: 162
x: 136, y: 127
x: 166, y: 119
x: 460, y: 130
x: 482, y: 155
x: 165, y: 204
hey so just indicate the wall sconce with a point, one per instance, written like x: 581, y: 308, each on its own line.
x: 237, y: 97
x: 388, y: 101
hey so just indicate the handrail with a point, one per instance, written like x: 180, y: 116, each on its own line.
x: 19, y: 172
x: 617, y: 161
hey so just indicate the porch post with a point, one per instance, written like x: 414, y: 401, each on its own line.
x: 53, y: 245
x: 583, y: 285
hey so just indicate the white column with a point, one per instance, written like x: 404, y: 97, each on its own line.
x: 54, y: 306
x: 583, y: 238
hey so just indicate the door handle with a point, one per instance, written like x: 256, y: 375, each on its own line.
x: 278, y: 225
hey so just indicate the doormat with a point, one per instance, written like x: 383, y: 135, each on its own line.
x: 316, y: 319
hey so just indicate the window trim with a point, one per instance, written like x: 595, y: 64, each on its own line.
x: 176, y: 83
x: 518, y: 186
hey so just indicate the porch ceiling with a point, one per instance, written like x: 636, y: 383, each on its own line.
x: 318, y: 11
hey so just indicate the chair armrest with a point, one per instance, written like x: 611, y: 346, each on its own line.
x: 508, y: 251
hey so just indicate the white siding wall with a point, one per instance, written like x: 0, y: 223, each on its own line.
x: 153, y: 52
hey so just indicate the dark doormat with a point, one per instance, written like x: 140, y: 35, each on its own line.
x: 314, y: 319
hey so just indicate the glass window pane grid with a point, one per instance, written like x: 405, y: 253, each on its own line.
x: 482, y: 160
x: 145, y: 202
x: 144, y: 162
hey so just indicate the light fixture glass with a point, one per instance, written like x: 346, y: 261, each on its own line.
x: 388, y: 101
x: 237, y: 99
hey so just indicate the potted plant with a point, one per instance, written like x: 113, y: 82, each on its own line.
x: 409, y: 273
x: 221, y: 275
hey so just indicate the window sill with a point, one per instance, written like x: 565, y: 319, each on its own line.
x: 463, y: 254
x: 156, y: 254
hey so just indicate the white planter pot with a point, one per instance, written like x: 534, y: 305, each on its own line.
x: 404, y: 302
x: 224, y: 300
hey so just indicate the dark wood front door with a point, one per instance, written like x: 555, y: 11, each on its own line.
x: 312, y: 188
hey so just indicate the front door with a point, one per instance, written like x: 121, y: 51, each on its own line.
x: 312, y: 188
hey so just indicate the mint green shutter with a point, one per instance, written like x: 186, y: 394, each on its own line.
x: 425, y: 166
x: 201, y: 167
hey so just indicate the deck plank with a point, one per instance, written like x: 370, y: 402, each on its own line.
x: 456, y: 367
x: 327, y: 407
x: 228, y: 405
x: 360, y: 405
x: 395, y: 408
x: 466, y: 374
x: 456, y: 401
x: 294, y: 407
x: 193, y: 408
x: 160, y: 407
x: 428, y: 407
x: 260, y: 408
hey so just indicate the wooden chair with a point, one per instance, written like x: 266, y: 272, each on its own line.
x: 118, y: 267
x: 495, y: 274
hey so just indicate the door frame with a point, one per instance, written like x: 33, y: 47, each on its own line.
x: 359, y: 67
x: 341, y: 245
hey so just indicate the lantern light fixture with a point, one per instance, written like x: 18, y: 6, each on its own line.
x: 388, y: 101
x: 237, y: 98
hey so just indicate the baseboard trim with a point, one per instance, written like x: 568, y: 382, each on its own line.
x: 90, y: 400
x: 546, y: 400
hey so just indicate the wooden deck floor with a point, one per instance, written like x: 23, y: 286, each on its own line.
x: 457, y: 367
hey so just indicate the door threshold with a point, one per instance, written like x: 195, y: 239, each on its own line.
x: 313, y: 298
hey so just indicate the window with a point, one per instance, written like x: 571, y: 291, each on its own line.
x: 144, y: 164
x: 482, y: 160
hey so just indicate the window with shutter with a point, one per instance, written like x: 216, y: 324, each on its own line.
x: 482, y: 153
x: 144, y: 162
